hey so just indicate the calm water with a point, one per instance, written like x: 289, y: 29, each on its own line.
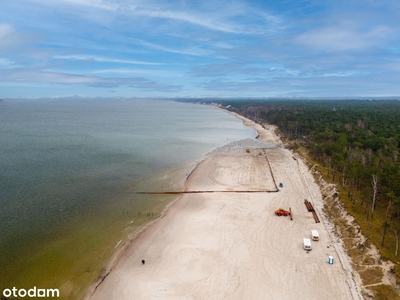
x: 68, y: 170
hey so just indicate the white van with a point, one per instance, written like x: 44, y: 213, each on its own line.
x: 314, y: 235
x: 307, y: 244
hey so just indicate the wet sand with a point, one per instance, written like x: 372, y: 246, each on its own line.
x: 229, y: 245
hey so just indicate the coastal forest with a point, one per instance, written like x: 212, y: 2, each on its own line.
x: 356, y: 143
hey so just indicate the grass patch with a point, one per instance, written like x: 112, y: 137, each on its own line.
x: 383, y: 292
x: 371, y: 275
x: 397, y: 272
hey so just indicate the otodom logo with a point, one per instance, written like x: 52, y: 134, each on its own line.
x: 32, y: 293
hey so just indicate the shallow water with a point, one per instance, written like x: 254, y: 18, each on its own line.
x: 69, y: 170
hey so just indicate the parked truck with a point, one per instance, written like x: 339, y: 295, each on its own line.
x: 314, y: 235
x: 307, y: 244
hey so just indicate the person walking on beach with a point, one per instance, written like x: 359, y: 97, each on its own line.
x: 143, y: 261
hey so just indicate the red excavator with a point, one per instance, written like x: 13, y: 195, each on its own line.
x: 281, y: 212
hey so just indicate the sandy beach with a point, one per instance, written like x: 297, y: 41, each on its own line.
x: 229, y: 244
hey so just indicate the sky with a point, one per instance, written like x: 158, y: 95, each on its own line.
x: 178, y: 48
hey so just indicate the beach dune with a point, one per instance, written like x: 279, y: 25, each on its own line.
x: 231, y: 245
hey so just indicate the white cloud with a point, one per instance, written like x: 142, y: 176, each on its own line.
x: 105, y: 59
x: 343, y: 74
x: 157, y: 73
x: 7, y: 64
x: 166, y: 39
x: 49, y: 77
x: 196, y: 18
x: 220, y: 18
x: 194, y: 51
x: 55, y: 77
x: 88, y: 3
x: 5, y: 30
x: 343, y: 37
x: 10, y: 38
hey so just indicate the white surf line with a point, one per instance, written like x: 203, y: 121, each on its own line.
x: 63, y: 285
x: 117, y: 245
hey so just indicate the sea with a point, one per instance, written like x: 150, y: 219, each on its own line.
x: 70, y: 173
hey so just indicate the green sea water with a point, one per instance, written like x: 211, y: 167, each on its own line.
x: 69, y: 170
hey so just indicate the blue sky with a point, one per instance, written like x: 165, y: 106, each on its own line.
x: 178, y: 48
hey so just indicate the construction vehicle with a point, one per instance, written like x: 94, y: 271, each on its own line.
x: 307, y: 244
x: 314, y: 235
x: 281, y: 212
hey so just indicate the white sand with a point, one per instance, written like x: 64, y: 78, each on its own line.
x: 232, y: 245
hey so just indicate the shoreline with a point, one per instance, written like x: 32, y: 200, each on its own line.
x: 118, y: 255
x: 130, y: 241
x: 139, y: 238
